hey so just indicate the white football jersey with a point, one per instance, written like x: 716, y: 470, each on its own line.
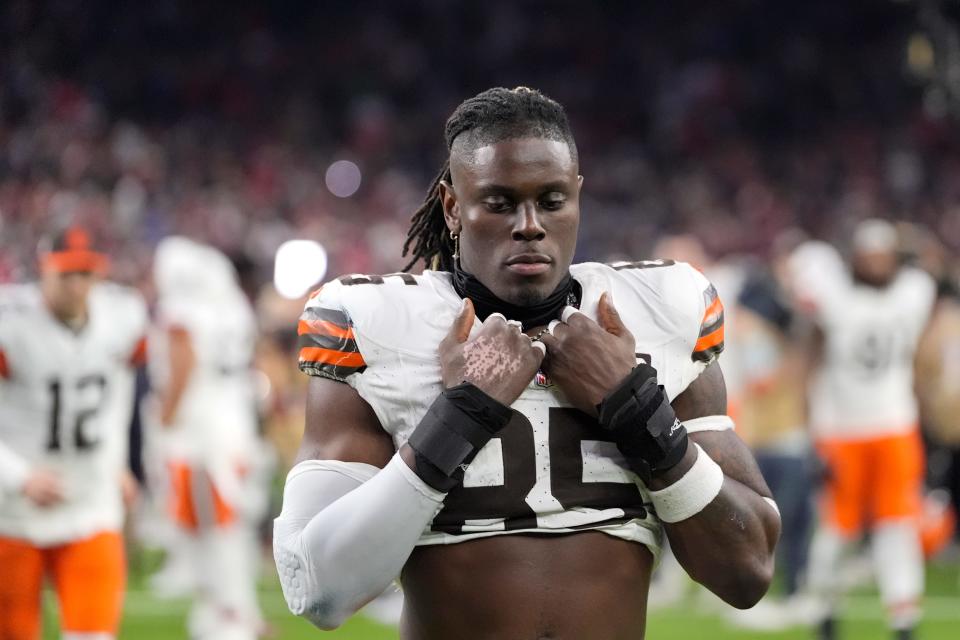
x: 217, y: 411
x: 198, y: 293
x: 65, y: 403
x: 864, y: 385
x: 550, y: 470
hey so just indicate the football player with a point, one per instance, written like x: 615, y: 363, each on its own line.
x: 201, y: 357
x: 68, y: 346
x: 863, y: 415
x: 510, y: 434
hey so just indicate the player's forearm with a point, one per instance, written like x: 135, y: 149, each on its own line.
x: 340, y: 540
x: 170, y: 402
x: 728, y: 546
x: 182, y: 363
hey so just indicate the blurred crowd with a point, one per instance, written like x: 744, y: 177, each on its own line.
x: 737, y: 124
x: 222, y: 125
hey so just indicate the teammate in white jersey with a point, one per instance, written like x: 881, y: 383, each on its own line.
x: 516, y: 495
x: 68, y: 346
x: 863, y: 414
x: 201, y: 356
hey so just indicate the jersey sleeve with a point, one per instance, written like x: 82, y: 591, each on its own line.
x: 129, y: 312
x: 816, y: 277
x: 922, y: 288
x: 15, y: 299
x: 682, y: 318
x: 700, y: 323
x: 709, y: 342
x: 327, y: 341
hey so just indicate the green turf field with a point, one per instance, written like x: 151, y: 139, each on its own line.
x: 147, y: 618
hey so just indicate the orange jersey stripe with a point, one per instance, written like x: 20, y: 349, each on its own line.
x: 324, y: 327
x: 329, y: 356
x: 138, y: 357
x: 710, y: 340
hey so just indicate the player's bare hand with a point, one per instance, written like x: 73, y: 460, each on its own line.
x: 589, y: 359
x: 43, y: 487
x: 500, y: 360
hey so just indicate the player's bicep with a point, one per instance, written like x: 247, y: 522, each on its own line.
x: 340, y: 425
x: 707, y: 396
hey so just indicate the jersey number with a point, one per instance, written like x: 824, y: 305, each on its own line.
x: 349, y: 281
x: 568, y: 428
x: 91, y: 390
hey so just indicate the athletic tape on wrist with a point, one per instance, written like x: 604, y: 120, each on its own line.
x: 640, y: 419
x: 459, y: 423
x: 689, y: 495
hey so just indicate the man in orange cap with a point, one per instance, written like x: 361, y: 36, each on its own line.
x: 68, y: 346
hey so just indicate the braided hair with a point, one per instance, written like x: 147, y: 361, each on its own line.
x: 491, y: 116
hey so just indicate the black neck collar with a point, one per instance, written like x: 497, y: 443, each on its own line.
x: 485, y: 302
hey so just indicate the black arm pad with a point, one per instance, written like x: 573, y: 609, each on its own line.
x: 639, y: 418
x: 458, y: 424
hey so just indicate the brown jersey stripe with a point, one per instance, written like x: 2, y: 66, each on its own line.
x: 333, y: 343
x: 322, y: 314
x: 324, y: 327
x: 709, y: 295
x: 334, y: 372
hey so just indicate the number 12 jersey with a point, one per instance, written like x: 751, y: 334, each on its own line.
x: 66, y: 399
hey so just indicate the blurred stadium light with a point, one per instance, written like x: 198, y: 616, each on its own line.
x: 343, y: 178
x: 298, y: 266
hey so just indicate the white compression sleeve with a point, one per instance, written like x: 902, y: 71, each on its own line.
x: 345, y: 532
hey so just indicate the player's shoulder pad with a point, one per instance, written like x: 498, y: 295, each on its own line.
x: 818, y: 276
x: 918, y: 285
x: 122, y: 301
x: 19, y: 298
x: 348, y: 321
x: 680, y: 290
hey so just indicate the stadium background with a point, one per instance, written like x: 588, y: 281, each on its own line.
x: 246, y: 126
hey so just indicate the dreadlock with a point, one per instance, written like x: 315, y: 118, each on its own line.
x: 494, y: 115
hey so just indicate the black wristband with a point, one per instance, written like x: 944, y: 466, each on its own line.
x: 639, y: 418
x: 457, y: 425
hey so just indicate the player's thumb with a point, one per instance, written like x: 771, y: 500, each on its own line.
x: 462, y: 324
x: 608, y: 316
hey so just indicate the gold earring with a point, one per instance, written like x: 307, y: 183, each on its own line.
x: 456, y: 244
